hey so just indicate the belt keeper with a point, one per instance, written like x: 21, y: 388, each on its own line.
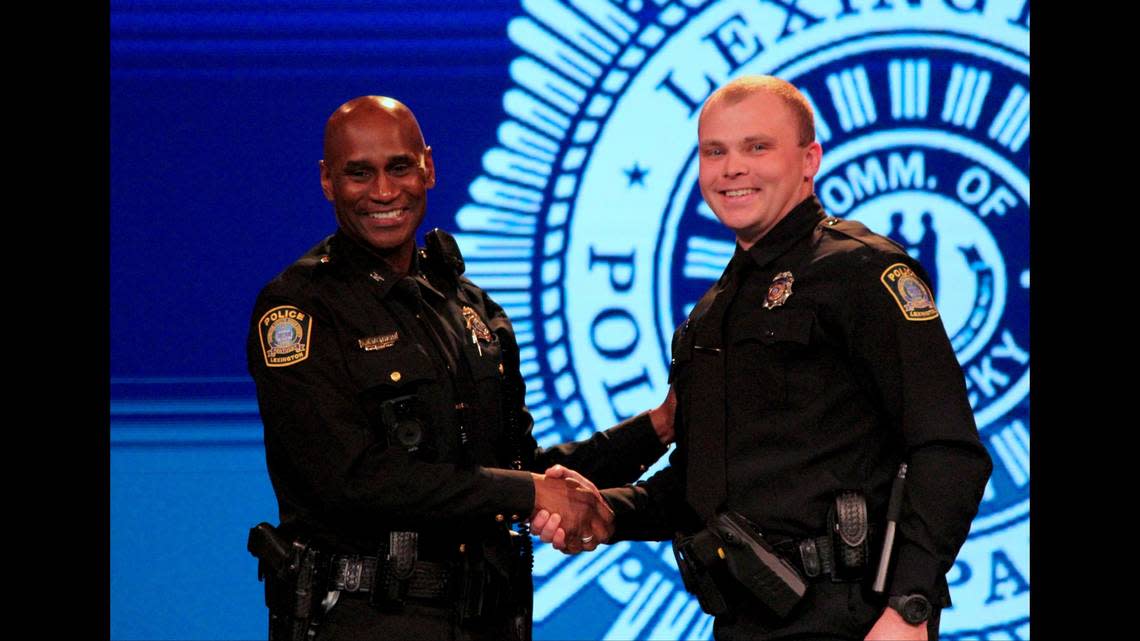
x: 809, y: 557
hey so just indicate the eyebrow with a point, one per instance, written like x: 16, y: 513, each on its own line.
x: 357, y: 164
x: 759, y: 138
x: 746, y: 140
x: 402, y: 158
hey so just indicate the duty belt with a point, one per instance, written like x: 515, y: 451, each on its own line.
x: 364, y: 574
x: 844, y: 553
x: 815, y: 555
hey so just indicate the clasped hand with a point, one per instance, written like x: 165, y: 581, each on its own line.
x: 569, y: 512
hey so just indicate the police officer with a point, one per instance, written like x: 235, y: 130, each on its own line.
x: 396, y: 438
x: 807, y: 374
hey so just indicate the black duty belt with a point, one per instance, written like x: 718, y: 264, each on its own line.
x: 815, y: 555
x: 364, y: 574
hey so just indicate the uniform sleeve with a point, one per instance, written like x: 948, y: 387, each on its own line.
x: 608, y: 458
x: 324, y: 457
x: 907, y: 359
x: 655, y: 509
x: 618, y: 455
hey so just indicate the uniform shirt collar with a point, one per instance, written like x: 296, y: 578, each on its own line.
x: 791, y: 229
x: 361, y: 261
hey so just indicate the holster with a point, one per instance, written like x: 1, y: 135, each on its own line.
x: 848, y: 526
x: 293, y: 583
x: 698, y: 559
x: 400, y: 558
x: 756, y: 565
x: 484, y: 590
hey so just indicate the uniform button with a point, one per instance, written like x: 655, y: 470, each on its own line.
x: 769, y: 334
x: 395, y: 376
x: 672, y: 362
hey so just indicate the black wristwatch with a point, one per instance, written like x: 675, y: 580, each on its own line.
x: 914, y: 608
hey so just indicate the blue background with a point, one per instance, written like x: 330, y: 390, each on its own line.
x: 216, y: 114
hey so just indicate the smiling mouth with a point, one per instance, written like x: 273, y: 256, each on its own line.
x: 389, y: 214
x: 737, y: 193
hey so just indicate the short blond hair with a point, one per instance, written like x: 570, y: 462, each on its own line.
x: 745, y: 86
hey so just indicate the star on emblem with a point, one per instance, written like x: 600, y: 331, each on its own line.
x: 636, y: 175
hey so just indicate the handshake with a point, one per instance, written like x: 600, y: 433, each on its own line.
x: 569, y: 511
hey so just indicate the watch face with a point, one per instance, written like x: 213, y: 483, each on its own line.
x: 916, y: 609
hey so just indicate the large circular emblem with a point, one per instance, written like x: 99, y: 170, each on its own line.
x: 587, y: 226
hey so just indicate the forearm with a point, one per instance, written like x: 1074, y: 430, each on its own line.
x: 609, y: 458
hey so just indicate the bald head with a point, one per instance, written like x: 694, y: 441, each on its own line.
x: 374, y: 108
x: 747, y: 86
x: 376, y: 171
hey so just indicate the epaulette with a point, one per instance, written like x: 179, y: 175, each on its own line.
x: 859, y: 232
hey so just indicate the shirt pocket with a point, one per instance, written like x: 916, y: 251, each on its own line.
x: 397, y: 390
x: 759, y: 361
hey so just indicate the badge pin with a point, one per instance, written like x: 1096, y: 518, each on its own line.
x: 779, y: 291
x: 475, y: 325
x: 383, y: 341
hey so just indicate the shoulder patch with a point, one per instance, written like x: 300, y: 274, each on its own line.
x: 286, y: 335
x: 911, y: 294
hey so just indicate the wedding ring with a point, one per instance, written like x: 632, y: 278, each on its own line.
x: 587, y: 539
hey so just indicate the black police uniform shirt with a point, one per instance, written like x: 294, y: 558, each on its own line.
x: 351, y: 361
x: 843, y: 375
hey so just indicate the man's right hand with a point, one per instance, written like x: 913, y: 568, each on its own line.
x: 567, y: 509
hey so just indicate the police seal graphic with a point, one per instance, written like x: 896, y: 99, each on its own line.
x: 588, y: 227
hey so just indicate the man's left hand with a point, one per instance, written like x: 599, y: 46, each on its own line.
x: 662, y: 418
x: 891, y: 627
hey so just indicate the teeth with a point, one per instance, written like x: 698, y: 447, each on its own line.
x: 384, y: 215
x: 738, y: 192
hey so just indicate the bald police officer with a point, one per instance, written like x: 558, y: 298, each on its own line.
x: 395, y: 433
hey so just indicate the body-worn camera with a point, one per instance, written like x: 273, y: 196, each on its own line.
x: 403, y: 422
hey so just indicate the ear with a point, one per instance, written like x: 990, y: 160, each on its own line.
x: 326, y: 181
x: 813, y: 155
x: 429, y: 168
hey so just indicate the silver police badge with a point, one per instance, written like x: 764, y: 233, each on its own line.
x: 779, y: 291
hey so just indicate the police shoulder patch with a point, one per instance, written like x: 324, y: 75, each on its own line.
x: 286, y: 335
x: 911, y: 294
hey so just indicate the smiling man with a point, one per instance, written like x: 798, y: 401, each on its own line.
x: 804, y: 377
x: 396, y: 437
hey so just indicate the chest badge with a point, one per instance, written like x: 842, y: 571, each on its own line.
x: 779, y: 291
x: 475, y: 325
